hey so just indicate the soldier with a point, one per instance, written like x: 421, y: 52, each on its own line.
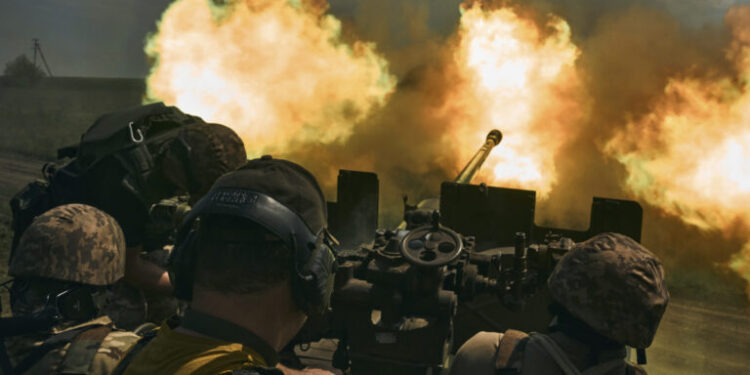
x: 211, y: 150
x: 254, y: 259
x: 126, y: 162
x: 608, y: 292
x: 64, y: 264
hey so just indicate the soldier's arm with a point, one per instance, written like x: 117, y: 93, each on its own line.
x: 145, y: 275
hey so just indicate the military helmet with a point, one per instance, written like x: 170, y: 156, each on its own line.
x: 73, y: 242
x: 614, y: 285
x: 208, y: 151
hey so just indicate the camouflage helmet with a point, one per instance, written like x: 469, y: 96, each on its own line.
x: 212, y: 150
x: 73, y: 242
x: 614, y: 285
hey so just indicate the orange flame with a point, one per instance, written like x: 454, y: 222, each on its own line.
x: 517, y: 80
x: 691, y: 155
x: 277, y: 72
x: 280, y: 75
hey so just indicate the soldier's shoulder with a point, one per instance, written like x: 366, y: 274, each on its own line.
x: 113, y: 348
x: 119, y: 339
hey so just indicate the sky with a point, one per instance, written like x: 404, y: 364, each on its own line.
x: 91, y: 38
x: 96, y: 38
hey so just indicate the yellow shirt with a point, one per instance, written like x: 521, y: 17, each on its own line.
x: 172, y: 352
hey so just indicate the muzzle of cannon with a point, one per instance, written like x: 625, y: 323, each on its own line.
x: 420, y: 214
x: 467, y: 174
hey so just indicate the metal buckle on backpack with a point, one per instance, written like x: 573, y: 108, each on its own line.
x: 132, y: 134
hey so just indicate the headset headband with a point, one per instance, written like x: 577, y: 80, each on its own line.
x: 256, y: 207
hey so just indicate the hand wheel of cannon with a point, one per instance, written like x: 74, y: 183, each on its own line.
x: 431, y: 246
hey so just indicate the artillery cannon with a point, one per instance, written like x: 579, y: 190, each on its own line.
x: 398, y: 293
x: 467, y: 174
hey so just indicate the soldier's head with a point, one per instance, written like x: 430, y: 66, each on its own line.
x: 65, y: 260
x: 259, y: 227
x: 615, y: 286
x: 199, y: 155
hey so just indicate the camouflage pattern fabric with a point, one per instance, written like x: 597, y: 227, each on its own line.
x: 214, y: 150
x: 615, y: 285
x: 126, y: 306
x: 73, y: 242
x: 109, y: 353
x: 129, y: 307
x: 160, y: 307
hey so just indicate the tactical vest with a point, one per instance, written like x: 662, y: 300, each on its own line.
x: 80, y: 345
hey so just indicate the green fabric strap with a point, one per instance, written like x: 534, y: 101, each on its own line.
x: 554, y: 350
x: 562, y: 360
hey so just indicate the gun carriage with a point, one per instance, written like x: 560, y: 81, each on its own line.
x: 398, y: 293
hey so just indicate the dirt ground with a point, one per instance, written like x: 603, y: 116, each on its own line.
x: 694, y: 338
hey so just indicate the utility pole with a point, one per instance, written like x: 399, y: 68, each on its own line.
x: 38, y: 50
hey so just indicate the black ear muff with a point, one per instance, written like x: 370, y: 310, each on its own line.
x: 313, y: 285
x: 76, y: 304
x: 182, y: 266
x: 313, y: 264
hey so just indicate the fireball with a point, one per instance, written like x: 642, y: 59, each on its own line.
x: 521, y: 80
x: 277, y: 72
x: 691, y: 154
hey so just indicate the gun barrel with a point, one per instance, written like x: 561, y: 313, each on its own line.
x: 467, y: 174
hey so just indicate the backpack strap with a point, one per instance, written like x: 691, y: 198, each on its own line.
x: 557, y: 354
x: 507, y: 348
x: 563, y: 361
x: 82, y: 350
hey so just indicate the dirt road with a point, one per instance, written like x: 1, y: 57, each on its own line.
x: 699, y: 340
x: 15, y: 172
x: 691, y: 339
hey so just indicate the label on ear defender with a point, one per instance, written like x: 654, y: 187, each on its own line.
x: 234, y: 197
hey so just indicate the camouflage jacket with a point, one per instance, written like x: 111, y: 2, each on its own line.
x: 129, y: 307
x: 94, y: 347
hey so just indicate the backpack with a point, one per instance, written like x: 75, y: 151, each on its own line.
x: 109, y: 168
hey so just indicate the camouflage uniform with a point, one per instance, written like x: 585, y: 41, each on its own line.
x: 103, y: 355
x: 214, y: 150
x: 612, y: 293
x: 129, y: 307
x: 70, y: 246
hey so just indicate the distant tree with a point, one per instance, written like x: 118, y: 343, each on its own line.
x: 21, y: 71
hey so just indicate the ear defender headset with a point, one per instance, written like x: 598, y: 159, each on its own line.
x: 313, y: 262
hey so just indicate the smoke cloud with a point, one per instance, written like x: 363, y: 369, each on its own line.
x: 589, y: 71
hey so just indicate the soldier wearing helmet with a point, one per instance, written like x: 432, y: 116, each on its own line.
x: 608, y: 292
x: 127, y: 162
x: 253, y: 257
x: 64, y: 264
